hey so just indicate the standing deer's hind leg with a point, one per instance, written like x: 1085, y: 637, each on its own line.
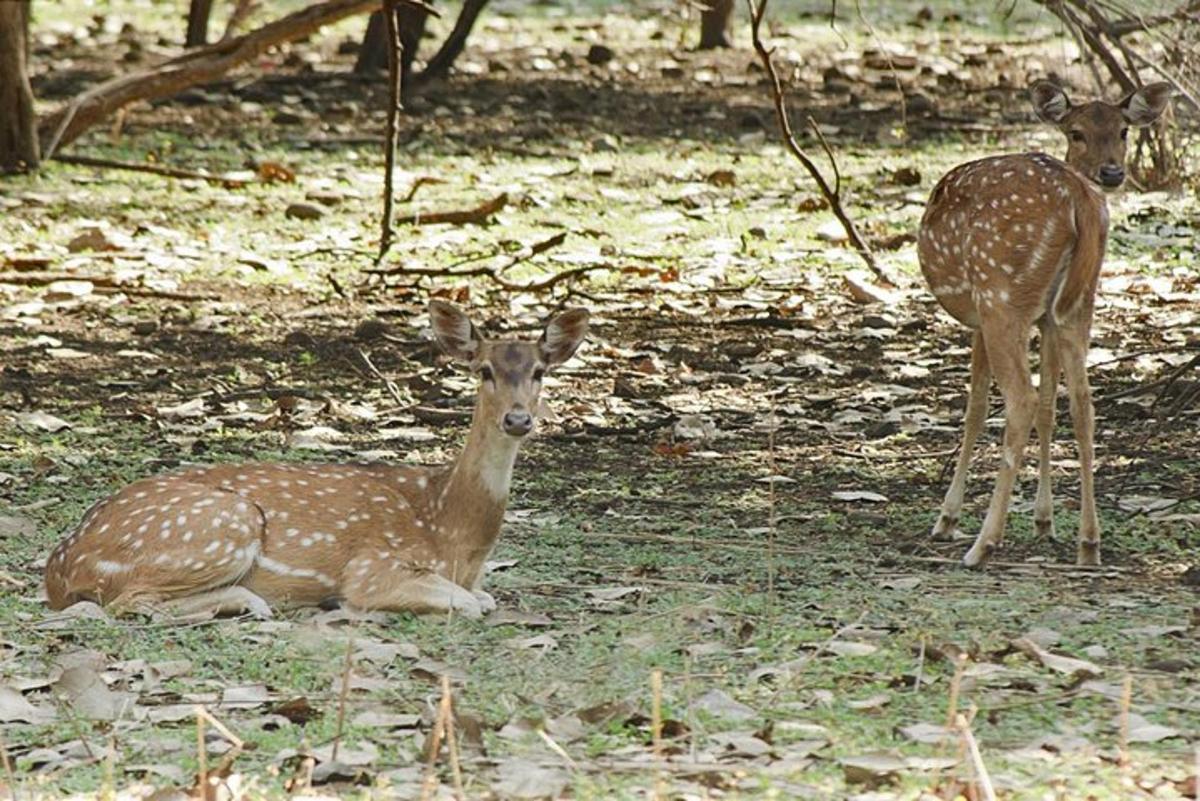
x: 976, y: 414
x: 1043, y: 508
x: 1009, y: 358
x: 1074, y: 357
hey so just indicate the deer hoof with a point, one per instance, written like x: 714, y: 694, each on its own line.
x: 487, y: 603
x: 944, y: 528
x: 978, y: 554
x: 1088, y: 554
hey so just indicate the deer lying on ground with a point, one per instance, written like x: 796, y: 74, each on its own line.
x: 249, y: 537
x: 1011, y: 242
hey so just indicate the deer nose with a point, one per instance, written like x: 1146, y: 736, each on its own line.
x: 518, y: 423
x: 1112, y: 175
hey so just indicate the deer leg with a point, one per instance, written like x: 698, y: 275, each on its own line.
x: 1043, y: 507
x: 428, y: 593
x: 1008, y: 355
x: 229, y: 600
x: 487, y: 603
x: 1074, y: 357
x: 224, y: 601
x: 977, y: 404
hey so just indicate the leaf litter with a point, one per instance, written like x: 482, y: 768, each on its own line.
x: 853, y: 378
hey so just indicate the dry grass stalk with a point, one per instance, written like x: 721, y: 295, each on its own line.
x: 1126, y: 703
x: 446, y: 713
x: 960, y: 665
x: 201, y: 755
x: 656, y: 721
x: 430, y: 782
x: 342, y: 696
x: 981, y: 772
x: 6, y: 763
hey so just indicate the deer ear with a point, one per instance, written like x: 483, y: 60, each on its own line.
x: 453, y: 330
x: 562, y: 336
x: 1146, y: 104
x: 1049, y: 101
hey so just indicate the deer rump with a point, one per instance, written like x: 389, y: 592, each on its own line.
x: 990, y: 226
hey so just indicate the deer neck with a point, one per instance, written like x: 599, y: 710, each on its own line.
x: 470, y: 507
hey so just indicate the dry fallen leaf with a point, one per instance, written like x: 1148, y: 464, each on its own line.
x: 14, y: 707
x: 719, y: 704
x: 89, y: 697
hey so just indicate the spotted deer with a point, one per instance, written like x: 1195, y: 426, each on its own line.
x: 1012, y: 242
x: 252, y: 537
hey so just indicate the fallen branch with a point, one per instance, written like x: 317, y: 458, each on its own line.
x: 476, y: 216
x: 152, y: 169
x: 197, y: 66
x: 102, y: 284
x: 832, y: 194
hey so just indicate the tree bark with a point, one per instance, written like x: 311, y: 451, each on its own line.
x: 714, y: 24
x: 199, y: 12
x: 443, y: 60
x: 373, y: 52
x: 18, y: 126
x: 199, y: 66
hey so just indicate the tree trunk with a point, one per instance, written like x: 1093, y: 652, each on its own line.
x: 199, y: 12
x: 443, y: 60
x: 18, y: 125
x: 373, y: 52
x: 714, y: 24
x: 199, y: 66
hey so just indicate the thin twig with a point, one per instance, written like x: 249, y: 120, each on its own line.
x: 388, y: 383
x: 758, y: 9
x: 395, y: 56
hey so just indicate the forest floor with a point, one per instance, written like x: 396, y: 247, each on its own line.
x: 746, y: 464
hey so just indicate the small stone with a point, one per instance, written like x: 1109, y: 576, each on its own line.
x: 304, y: 211
x: 605, y: 144
x: 599, y: 54
x: 286, y: 117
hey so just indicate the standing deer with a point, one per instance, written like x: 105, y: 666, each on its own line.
x: 249, y: 537
x: 1011, y: 242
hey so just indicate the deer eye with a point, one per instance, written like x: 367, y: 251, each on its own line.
x: 1076, y: 136
x: 538, y: 374
x: 1124, y: 134
x: 485, y: 373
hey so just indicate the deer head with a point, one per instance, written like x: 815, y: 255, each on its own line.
x: 510, y: 371
x: 1097, y: 132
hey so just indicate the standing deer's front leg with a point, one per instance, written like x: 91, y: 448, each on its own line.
x: 1043, y: 507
